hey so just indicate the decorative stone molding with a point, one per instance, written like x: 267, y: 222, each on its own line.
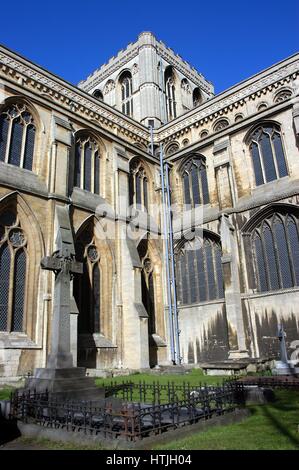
x: 275, y: 77
x: 110, y: 85
x: 67, y: 96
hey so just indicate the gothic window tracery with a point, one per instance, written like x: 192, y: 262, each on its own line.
x: 267, y: 154
x: 87, y: 287
x: 17, y: 136
x: 170, y: 94
x: 87, y: 164
x: 13, y: 266
x: 282, y: 96
x: 199, y: 271
x: 126, y: 93
x: 139, y: 185
x: 275, y: 245
x: 222, y: 124
x: 195, y: 182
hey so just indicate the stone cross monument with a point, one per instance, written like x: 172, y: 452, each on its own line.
x: 64, y: 265
x: 60, y: 376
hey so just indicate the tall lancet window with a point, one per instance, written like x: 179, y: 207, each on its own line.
x: 87, y: 164
x: 170, y: 93
x: 275, y: 245
x: 195, y: 182
x: 13, y: 266
x: 199, y: 271
x: 267, y: 154
x: 148, y: 294
x: 126, y: 93
x: 17, y: 136
x: 87, y: 287
x: 138, y: 185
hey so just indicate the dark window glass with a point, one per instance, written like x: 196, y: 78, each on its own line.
x: 199, y: 272
x: 96, y: 287
x: 267, y: 154
x: 78, y: 165
x: 14, y: 156
x: 195, y: 186
x: 199, y: 184
x: 201, y: 275
x: 4, y: 285
x: 257, y: 164
x: 187, y: 189
x: 283, y: 254
x: 131, y: 189
x: 82, y: 294
x: 145, y: 193
x: 29, y: 147
x: 4, y: 124
x: 151, y: 309
x: 192, y: 279
x: 219, y: 274
x: 138, y: 189
x: 210, y: 271
x: 204, y: 184
x: 185, y: 283
x: 19, y: 291
x: 260, y: 261
x: 268, y: 160
x: 87, y: 167
x: 96, y: 173
x: 294, y: 245
x: 271, y: 258
x: 280, y: 158
x: 178, y: 278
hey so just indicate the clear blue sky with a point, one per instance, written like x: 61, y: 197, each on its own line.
x: 227, y: 41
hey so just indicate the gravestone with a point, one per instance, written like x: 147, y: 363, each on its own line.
x: 283, y: 366
x: 60, y: 376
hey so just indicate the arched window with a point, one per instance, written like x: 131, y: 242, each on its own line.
x: 126, y: 93
x: 148, y: 294
x: 172, y: 148
x: 98, y: 94
x: 138, y: 185
x: 197, y: 97
x: 222, y: 124
x: 283, y: 95
x: 17, y: 136
x: 13, y: 265
x: 195, y: 182
x: 170, y: 93
x: 275, y: 245
x: 199, y: 271
x: 267, y: 153
x: 87, y: 164
x: 87, y: 287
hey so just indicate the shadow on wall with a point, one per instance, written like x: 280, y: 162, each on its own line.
x: 267, y: 328
x: 213, y: 344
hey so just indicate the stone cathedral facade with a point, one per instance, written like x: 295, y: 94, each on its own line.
x: 234, y: 172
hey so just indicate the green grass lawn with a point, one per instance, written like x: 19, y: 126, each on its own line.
x: 273, y: 426
x: 194, y: 377
x: 5, y: 393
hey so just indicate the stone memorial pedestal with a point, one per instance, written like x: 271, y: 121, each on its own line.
x: 68, y: 383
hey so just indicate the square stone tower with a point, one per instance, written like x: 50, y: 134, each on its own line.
x: 149, y: 82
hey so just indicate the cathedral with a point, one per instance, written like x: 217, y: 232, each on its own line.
x: 183, y: 206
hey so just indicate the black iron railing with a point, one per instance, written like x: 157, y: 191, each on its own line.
x: 122, y: 416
